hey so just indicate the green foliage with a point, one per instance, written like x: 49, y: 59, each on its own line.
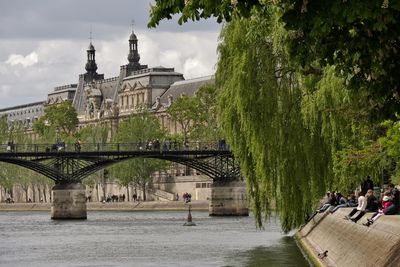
x: 197, y: 9
x: 97, y: 134
x: 139, y: 128
x: 197, y: 116
x: 301, y: 135
x: 3, y: 130
x: 359, y: 37
x: 186, y: 112
x: 391, y: 148
x: 94, y: 134
x: 61, y: 117
x: 12, y: 174
x: 207, y: 128
x: 261, y: 116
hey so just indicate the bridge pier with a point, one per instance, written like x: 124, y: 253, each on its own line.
x: 228, y: 199
x: 68, y: 202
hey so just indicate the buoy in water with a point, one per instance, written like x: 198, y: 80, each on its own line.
x: 189, y: 219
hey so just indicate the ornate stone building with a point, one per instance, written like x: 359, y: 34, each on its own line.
x: 98, y: 99
x: 138, y: 87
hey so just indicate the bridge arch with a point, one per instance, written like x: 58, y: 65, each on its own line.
x: 69, y: 166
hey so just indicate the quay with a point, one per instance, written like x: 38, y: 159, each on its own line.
x: 197, y: 205
x: 330, y: 240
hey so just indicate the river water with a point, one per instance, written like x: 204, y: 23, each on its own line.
x: 143, y: 239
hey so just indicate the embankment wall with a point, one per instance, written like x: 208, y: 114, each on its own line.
x: 202, y: 205
x: 349, y: 243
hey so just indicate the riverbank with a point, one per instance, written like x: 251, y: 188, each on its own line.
x: 330, y: 240
x: 198, y: 205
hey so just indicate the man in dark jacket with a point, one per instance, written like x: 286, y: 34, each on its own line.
x: 366, y: 185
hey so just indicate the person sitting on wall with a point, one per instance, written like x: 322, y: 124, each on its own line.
x: 341, y: 202
x: 371, y: 205
x: 332, y: 201
x: 387, y: 201
x: 394, y: 209
x: 362, y: 204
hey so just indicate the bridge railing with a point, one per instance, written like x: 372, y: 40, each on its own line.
x: 117, y: 147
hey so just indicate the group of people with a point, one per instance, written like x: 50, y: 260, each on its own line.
x: 115, y: 198
x: 337, y: 201
x: 389, y: 205
x: 156, y: 145
x: 364, y: 201
x: 187, y: 197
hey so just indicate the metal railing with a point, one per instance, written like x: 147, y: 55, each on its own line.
x: 61, y: 147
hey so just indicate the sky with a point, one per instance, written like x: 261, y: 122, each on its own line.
x: 43, y: 43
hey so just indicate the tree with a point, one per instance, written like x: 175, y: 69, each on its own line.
x: 360, y: 38
x: 61, y: 117
x: 207, y: 127
x: 138, y: 129
x: 3, y: 130
x: 92, y: 135
x: 187, y: 113
x: 10, y: 174
x: 304, y: 85
x: 260, y: 112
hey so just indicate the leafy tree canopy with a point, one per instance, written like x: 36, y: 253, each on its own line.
x: 187, y: 113
x: 61, y: 117
x: 361, y: 38
x: 139, y: 128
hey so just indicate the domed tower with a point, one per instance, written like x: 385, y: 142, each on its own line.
x: 133, y: 56
x: 91, y: 66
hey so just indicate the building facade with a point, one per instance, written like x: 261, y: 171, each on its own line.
x: 96, y: 98
x: 105, y: 100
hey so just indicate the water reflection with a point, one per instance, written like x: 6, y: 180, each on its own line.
x: 285, y: 253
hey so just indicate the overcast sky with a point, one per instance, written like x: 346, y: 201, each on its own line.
x: 43, y: 43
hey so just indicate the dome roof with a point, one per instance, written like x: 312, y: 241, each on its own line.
x: 91, y: 47
x: 133, y: 37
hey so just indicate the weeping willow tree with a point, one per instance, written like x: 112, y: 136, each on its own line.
x: 344, y: 119
x: 296, y: 135
x: 260, y: 106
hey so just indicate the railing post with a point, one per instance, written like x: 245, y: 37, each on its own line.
x: 118, y: 147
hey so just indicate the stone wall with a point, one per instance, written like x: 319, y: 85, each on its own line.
x: 229, y: 199
x: 349, y: 243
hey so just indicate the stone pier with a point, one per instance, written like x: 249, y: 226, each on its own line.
x: 228, y: 199
x: 68, y: 202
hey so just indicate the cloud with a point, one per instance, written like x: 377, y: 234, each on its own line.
x: 43, y: 44
x: 192, y: 53
x: 4, y: 89
x: 26, y: 61
x: 25, y: 79
x: 193, y: 67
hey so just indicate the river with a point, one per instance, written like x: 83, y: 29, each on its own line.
x: 143, y: 239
